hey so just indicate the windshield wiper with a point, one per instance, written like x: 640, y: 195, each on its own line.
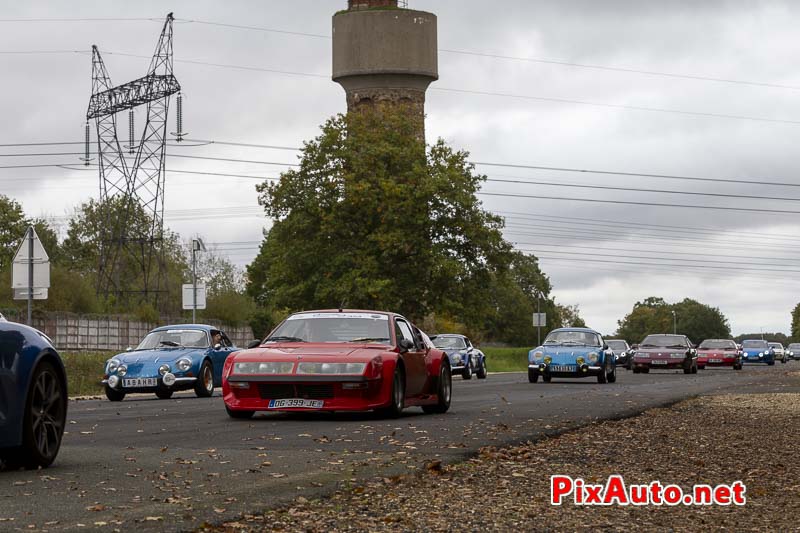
x: 648, y: 346
x: 676, y: 346
x: 170, y: 343
x: 284, y: 338
x: 369, y: 339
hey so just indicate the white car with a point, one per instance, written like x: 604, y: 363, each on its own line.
x: 780, y: 353
x: 794, y: 350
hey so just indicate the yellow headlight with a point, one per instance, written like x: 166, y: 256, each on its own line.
x: 548, y: 360
x: 579, y: 360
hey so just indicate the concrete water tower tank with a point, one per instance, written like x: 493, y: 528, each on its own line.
x: 384, y: 54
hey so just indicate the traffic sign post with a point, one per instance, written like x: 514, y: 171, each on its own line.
x: 30, y: 271
x: 194, y: 297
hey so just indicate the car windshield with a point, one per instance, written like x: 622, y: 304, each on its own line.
x: 663, y: 341
x: 187, y: 338
x: 717, y: 344
x: 617, y: 346
x: 755, y: 344
x: 333, y: 327
x: 582, y: 338
x: 449, y: 343
x: 794, y: 346
x: 775, y: 345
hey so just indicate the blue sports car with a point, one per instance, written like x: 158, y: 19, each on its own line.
x: 170, y: 359
x: 757, y: 351
x: 33, y: 397
x: 572, y: 353
x: 465, y: 359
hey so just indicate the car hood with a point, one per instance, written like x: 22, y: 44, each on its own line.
x: 319, y: 352
x: 567, y: 349
x: 756, y: 350
x: 716, y: 351
x: 163, y: 355
x: 661, y: 349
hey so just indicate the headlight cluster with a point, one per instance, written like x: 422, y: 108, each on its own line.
x: 455, y: 358
x: 548, y: 360
x: 537, y: 355
x: 112, y: 366
x: 263, y: 368
x: 642, y: 354
x: 184, y: 364
x: 593, y: 357
x: 677, y: 355
x: 331, y: 368
x: 122, y: 370
x: 164, y: 369
x: 580, y: 360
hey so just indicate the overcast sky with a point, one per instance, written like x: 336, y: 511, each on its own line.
x: 744, y: 262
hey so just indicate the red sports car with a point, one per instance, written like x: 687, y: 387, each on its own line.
x: 665, y: 352
x: 719, y: 352
x: 339, y: 360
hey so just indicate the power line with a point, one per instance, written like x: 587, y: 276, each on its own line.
x: 649, y: 204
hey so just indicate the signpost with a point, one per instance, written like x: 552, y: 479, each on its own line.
x: 197, y: 246
x: 30, y: 271
x: 194, y: 297
x: 539, y: 318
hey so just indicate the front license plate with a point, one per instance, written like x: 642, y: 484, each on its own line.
x: 135, y: 383
x: 658, y: 362
x: 715, y: 360
x: 562, y: 368
x: 295, y: 402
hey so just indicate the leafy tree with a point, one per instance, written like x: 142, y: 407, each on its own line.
x: 796, y: 323
x: 570, y: 316
x: 12, y: 228
x: 767, y: 336
x: 372, y: 220
x: 654, y: 315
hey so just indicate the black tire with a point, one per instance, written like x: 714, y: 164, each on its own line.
x: 737, y: 367
x: 43, y: 420
x: 694, y: 368
x: 204, y: 386
x: 547, y: 378
x: 636, y: 370
x: 444, y: 391
x: 701, y: 367
x: 239, y: 415
x: 771, y: 363
x: 114, y: 395
x: 533, y: 376
x: 783, y: 360
x: 602, y: 377
x: 629, y: 365
x: 164, y: 394
x: 646, y: 370
x: 482, y: 372
x: 398, y: 394
x: 612, y: 377
x: 468, y: 369
x: 687, y: 370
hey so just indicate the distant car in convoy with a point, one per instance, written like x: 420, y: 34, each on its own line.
x: 33, y: 397
x: 757, y: 351
x: 339, y: 360
x: 465, y: 359
x: 622, y: 352
x: 665, y: 351
x: 719, y: 352
x: 780, y: 353
x: 794, y: 350
x: 170, y: 359
x: 572, y: 353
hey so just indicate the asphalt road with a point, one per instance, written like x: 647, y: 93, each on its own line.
x: 174, y: 464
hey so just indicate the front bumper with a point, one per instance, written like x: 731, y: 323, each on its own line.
x: 557, y: 370
x: 668, y: 364
x: 338, y: 393
x: 179, y: 383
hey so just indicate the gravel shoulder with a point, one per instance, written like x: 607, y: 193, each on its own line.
x: 712, y: 439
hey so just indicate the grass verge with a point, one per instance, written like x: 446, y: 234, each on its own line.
x: 506, y: 359
x: 84, y: 371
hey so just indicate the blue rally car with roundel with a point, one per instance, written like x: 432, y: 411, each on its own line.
x: 572, y: 353
x: 170, y: 359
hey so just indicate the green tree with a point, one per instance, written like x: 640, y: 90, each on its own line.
x: 12, y: 228
x: 654, y: 315
x: 571, y: 317
x: 795, y: 334
x: 370, y: 219
x: 700, y: 321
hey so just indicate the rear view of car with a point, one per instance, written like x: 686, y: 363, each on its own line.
x: 719, y: 352
x: 757, y: 351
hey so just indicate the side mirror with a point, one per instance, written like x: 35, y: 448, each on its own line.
x: 128, y: 349
x: 605, y: 346
x: 217, y: 346
x: 405, y: 345
x: 254, y: 344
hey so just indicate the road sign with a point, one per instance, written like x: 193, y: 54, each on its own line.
x: 38, y: 294
x: 188, y: 296
x: 539, y: 320
x: 22, y: 261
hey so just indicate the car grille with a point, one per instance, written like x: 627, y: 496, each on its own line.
x: 273, y: 391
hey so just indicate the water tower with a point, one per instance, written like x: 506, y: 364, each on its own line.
x: 385, y: 54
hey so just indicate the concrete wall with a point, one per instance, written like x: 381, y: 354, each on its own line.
x: 113, y: 333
